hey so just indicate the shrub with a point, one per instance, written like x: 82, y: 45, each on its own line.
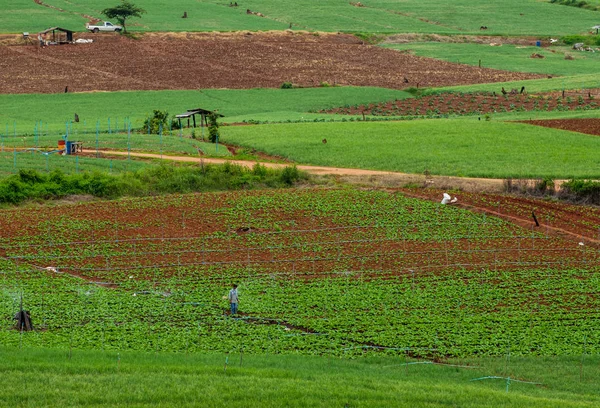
x: 577, y: 38
x: 585, y: 191
x: 174, y: 122
x: 289, y: 175
x: 156, y: 123
x: 162, y: 179
x: 287, y: 85
x: 370, y: 38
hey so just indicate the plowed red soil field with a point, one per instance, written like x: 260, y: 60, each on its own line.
x: 589, y: 126
x: 236, y: 61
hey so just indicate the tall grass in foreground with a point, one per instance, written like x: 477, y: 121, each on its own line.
x: 39, y: 377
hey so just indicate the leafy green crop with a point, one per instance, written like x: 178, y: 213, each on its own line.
x: 336, y: 272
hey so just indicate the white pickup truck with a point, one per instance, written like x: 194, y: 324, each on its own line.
x: 105, y: 26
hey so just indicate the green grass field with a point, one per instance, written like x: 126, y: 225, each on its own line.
x: 134, y: 142
x: 461, y: 147
x: 31, y: 152
x: 11, y: 162
x: 515, y: 17
x: 509, y: 57
x: 19, y: 113
x: 60, y: 378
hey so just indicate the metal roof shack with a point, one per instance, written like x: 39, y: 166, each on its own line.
x: 191, y: 113
x: 55, y: 36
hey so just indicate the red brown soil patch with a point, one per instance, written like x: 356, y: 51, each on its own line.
x: 110, y: 241
x: 459, y: 103
x: 589, y: 126
x: 236, y: 61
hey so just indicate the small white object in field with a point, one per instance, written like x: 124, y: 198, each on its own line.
x: 130, y: 276
x: 51, y: 269
x: 553, y: 40
x: 581, y: 243
x: 448, y: 199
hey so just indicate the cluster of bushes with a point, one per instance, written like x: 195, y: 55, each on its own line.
x: 159, y: 122
x: 578, y: 191
x: 582, y: 191
x: 577, y: 38
x: 163, y: 179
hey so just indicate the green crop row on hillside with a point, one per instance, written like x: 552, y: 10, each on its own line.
x: 514, y: 17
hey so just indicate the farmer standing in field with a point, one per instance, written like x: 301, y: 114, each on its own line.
x: 233, y: 299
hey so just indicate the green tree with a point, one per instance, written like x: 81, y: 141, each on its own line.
x: 123, y: 11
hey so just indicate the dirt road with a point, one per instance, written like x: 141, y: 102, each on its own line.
x: 357, y: 176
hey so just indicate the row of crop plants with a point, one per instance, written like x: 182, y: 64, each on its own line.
x: 354, y: 294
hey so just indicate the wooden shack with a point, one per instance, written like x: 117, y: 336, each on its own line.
x: 55, y: 36
x: 191, y: 113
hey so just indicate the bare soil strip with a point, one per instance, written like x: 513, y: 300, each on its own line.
x: 226, y: 60
x: 589, y: 126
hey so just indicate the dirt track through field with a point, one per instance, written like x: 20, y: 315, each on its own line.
x: 225, y: 60
x: 316, y: 170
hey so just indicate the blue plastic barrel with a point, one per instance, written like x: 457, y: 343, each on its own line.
x: 538, y: 43
x: 69, y: 147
